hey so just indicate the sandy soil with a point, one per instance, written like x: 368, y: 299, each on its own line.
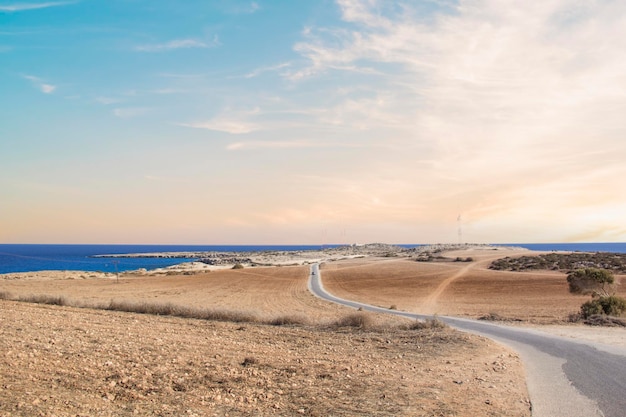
x: 65, y: 361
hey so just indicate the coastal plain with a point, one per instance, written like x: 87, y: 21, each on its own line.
x: 77, y: 359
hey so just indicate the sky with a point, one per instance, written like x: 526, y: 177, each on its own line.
x: 312, y: 122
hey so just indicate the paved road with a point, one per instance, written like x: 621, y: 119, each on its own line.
x: 566, y: 378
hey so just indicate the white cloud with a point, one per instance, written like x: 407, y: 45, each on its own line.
x: 18, y: 7
x: 40, y: 84
x: 235, y: 127
x: 505, y: 99
x: 47, y: 88
x: 178, y: 44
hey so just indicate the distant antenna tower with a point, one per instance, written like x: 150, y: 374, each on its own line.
x: 458, y: 221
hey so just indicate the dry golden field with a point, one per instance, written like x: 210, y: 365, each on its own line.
x: 457, y: 288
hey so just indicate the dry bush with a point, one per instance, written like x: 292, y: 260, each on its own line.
x: 231, y: 316
x: 492, y: 317
x: 358, y: 320
x: 57, y: 300
x: 169, y: 309
x: 159, y: 309
x: 249, y: 361
x: 603, y: 320
x: 289, y: 320
x: 5, y: 295
x: 433, y: 324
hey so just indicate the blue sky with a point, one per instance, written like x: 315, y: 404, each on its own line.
x: 235, y: 122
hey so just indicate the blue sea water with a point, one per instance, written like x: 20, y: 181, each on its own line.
x: 614, y: 247
x: 26, y: 258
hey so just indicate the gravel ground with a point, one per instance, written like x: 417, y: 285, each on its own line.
x: 63, y: 361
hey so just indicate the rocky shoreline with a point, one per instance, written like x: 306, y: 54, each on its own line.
x: 208, y: 261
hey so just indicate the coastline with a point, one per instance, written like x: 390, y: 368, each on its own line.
x: 205, y: 261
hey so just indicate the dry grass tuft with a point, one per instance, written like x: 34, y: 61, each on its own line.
x: 249, y: 361
x: 289, y: 320
x: 357, y: 320
x: 603, y: 320
x: 5, y: 295
x: 433, y: 323
x: 169, y: 309
x: 57, y: 300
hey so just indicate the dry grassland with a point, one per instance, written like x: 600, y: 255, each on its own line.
x: 66, y: 361
x: 265, y: 292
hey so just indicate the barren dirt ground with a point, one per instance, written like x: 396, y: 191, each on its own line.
x: 457, y: 288
x: 66, y: 361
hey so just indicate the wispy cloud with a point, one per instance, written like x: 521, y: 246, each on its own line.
x: 482, y: 87
x: 259, y: 71
x: 232, y: 126
x: 40, y: 84
x: 130, y: 112
x: 19, y: 7
x: 246, y: 8
x: 178, y: 44
x: 108, y: 100
x: 233, y: 122
x: 295, y: 144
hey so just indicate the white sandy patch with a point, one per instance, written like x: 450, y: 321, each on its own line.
x: 613, y: 336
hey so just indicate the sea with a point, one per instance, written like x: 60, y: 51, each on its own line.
x: 39, y: 257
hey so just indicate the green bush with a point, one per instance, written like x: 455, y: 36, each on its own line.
x: 594, y: 281
x: 609, y: 306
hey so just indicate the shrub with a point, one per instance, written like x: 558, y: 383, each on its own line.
x: 249, y: 361
x: 288, y: 321
x: 237, y: 266
x: 57, y: 300
x: 358, y: 320
x: 609, y: 306
x: 492, y: 317
x: 602, y: 320
x: 433, y: 323
x: 5, y: 295
x: 169, y: 309
x: 594, y: 281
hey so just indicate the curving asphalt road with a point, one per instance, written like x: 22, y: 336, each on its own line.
x: 565, y: 377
